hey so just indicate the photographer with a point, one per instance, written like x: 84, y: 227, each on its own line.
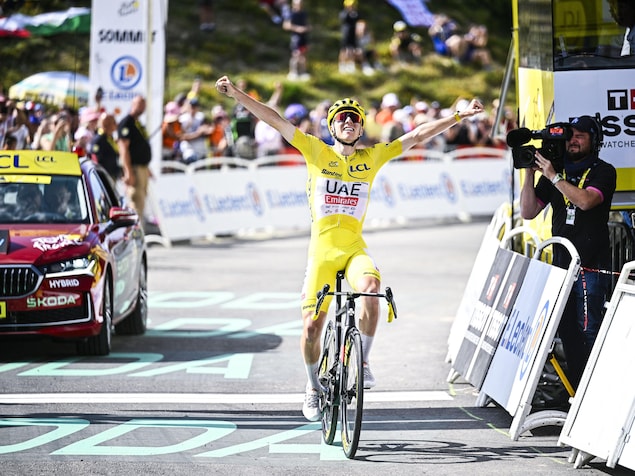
x: 580, y: 197
x: 59, y: 137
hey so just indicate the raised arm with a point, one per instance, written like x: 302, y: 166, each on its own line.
x: 427, y: 130
x: 260, y: 110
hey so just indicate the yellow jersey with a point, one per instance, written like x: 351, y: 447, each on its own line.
x: 338, y: 187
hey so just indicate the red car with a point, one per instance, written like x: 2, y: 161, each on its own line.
x: 73, y: 260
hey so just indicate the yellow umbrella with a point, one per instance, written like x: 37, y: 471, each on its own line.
x: 53, y: 87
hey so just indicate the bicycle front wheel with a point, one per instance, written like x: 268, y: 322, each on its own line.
x: 352, y: 392
x: 329, y: 380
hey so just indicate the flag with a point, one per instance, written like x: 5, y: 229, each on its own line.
x: 414, y: 12
x: 13, y: 27
x: 72, y: 20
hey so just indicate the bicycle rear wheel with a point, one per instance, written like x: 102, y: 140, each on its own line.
x: 328, y: 379
x: 353, y: 392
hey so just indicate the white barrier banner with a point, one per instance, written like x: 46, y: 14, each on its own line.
x: 600, y: 421
x: 479, y: 181
x: 498, y: 319
x: 490, y: 295
x: 284, y: 195
x: 414, y: 190
x: 231, y: 200
x: 474, y: 286
x: 517, y: 349
x: 181, y: 206
x: 213, y: 202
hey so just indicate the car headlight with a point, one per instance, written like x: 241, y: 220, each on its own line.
x: 80, y: 265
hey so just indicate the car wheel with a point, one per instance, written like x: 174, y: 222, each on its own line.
x: 135, y: 323
x: 100, y: 344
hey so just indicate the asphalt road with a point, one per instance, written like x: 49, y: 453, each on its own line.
x: 215, y: 386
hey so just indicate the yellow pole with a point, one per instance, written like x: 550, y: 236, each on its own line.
x: 562, y: 376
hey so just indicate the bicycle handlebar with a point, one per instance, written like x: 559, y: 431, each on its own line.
x: 320, y: 299
x: 392, y: 308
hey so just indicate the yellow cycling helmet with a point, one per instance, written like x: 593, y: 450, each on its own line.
x: 342, y: 105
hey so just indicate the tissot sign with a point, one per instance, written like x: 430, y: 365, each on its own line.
x: 614, y: 101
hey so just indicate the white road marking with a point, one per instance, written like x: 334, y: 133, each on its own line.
x: 206, y: 398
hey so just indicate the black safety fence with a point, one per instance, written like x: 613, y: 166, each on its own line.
x: 622, y: 245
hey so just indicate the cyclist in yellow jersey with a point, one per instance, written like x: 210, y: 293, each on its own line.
x: 340, y: 178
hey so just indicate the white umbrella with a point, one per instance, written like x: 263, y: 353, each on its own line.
x: 53, y: 87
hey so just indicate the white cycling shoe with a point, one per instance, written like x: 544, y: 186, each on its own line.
x: 369, y: 378
x: 311, y: 407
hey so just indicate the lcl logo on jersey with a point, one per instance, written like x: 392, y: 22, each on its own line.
x: 620, y: 99
x: 358, y: 170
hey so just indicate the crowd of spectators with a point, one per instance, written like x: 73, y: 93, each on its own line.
x: 31, y: 125
x: 237, y: 133
x: 357, y: 50
x: 88, y: 132
x: 467, y: 48
x: 193, y: 131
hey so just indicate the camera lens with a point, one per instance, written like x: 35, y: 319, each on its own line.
x: 524, y: 157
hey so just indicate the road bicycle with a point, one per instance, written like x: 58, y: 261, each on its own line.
x: 341, y: 371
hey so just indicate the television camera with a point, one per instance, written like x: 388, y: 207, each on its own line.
x: 554, y: 137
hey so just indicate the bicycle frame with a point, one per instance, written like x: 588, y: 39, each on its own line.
x: 343, y: 349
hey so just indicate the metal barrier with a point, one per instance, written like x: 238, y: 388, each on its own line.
x: 622, y: 245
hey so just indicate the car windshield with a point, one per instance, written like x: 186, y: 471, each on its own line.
x: 49, y: 199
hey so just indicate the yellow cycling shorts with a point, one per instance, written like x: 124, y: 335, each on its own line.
x: 326, y: 259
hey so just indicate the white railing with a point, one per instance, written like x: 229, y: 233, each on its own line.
x: 225, y: 163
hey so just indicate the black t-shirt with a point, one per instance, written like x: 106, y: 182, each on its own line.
x: 348, y: 21
x: 589, y: 233
x: 299, y: 40
x: 105, y: 154
x: 131, y: 129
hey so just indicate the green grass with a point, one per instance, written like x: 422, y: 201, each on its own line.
x: 247, y: 45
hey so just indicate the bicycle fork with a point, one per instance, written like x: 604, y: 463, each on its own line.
x: 342, y: 312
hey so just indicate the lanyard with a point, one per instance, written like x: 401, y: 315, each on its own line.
x: 580, y: 185
x: 141, y: 129
x: 112, y: 143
